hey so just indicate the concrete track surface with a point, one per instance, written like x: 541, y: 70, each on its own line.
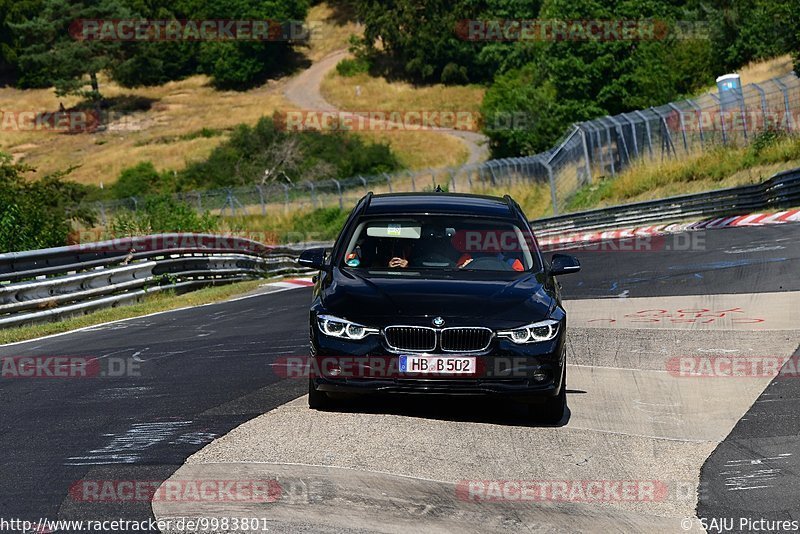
x: 209, y: 403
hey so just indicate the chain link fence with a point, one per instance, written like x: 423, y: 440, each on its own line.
x: 587, y: 152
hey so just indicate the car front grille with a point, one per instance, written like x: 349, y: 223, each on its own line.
x: 425, y: 339
x: 468, y: 339
x: 413, y: 338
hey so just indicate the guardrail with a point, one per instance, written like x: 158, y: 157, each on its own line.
x: 56, y: 283
x: 781, y: 190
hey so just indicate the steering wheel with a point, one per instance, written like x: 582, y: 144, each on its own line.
x: 435, y: 260
x: 488, y: 263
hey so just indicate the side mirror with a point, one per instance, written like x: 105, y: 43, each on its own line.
x: 564, y: 264
x: 313, y: 258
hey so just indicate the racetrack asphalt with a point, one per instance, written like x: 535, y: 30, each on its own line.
x: 198, y: 374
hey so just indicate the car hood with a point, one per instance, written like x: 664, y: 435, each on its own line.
x: 378, y: 301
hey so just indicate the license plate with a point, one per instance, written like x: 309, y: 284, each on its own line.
x: 448, y: 365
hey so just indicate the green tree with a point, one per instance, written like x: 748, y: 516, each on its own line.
x: 50, y: 53
x: 747, y: 30
x: 241, y: 64
x: 428, y: 40
x: 40, y: 213
x: 12, y: 11
x: 572, y: 80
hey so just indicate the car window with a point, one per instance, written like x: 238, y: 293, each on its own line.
x: 440, y: 243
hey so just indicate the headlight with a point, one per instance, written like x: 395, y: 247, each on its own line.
x: 532, y: 333
x: 335, y: 327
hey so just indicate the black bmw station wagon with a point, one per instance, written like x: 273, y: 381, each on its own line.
x: 438, y: 293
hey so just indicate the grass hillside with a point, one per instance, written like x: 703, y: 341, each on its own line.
x: 185, y: 120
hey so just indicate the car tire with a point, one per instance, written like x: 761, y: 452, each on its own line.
x: 317, y: 400
x: 551, y: 410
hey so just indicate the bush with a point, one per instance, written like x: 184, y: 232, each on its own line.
x: 162, y: 214
x: 351, y: 67
x: 37, y: 214
x: 264, y: 152
x: 142, y: 180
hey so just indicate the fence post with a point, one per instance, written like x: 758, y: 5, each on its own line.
x: 721, y: 118
x: 313, y: 193
x: 261, y: 200
x: 552, y: 181
x: 285, y: 198
x: 452, y: 186
x: 764, y: 109
x: 135, y: 203
x: 490, y: 164
x: 102, y: 207
x: 610, y: 150
x: 229, y: 202
x: 699, y: 112
x: 743, y: 109
x: 599, y: 148
x: 339, y: 190
x: 647, y: 129
x: 586, y: 156
x: 683, y: 126
x: 785, y: 91
x: 633, y: 134
x: 388, y: 181
x: 413, y: 181
x: 621, y: 135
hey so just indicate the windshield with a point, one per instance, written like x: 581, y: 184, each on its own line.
x: 440, y: 243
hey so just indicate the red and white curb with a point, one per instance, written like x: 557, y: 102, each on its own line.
x: 293, y: 283
x: 754, y: 219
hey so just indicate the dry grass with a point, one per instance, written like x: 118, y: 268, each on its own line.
x: 378, y: 94
x: 187, y: 106
x: 422, y: 150
x: 180, y: 108
x: 761, y: 71
x: 332, y: 24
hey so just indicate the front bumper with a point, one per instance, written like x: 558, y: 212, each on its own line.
x: 505, y: 369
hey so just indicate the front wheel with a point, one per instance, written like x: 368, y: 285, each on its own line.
x: 317, y: 400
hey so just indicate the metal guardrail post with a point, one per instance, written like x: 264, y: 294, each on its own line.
x: 364, y: 183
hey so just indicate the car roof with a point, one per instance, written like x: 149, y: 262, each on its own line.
x: 439, y: 203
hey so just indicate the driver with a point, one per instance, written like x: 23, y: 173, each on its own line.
x: 433, y: 247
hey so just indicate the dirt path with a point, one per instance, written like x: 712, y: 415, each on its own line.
x: 304, y: 91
